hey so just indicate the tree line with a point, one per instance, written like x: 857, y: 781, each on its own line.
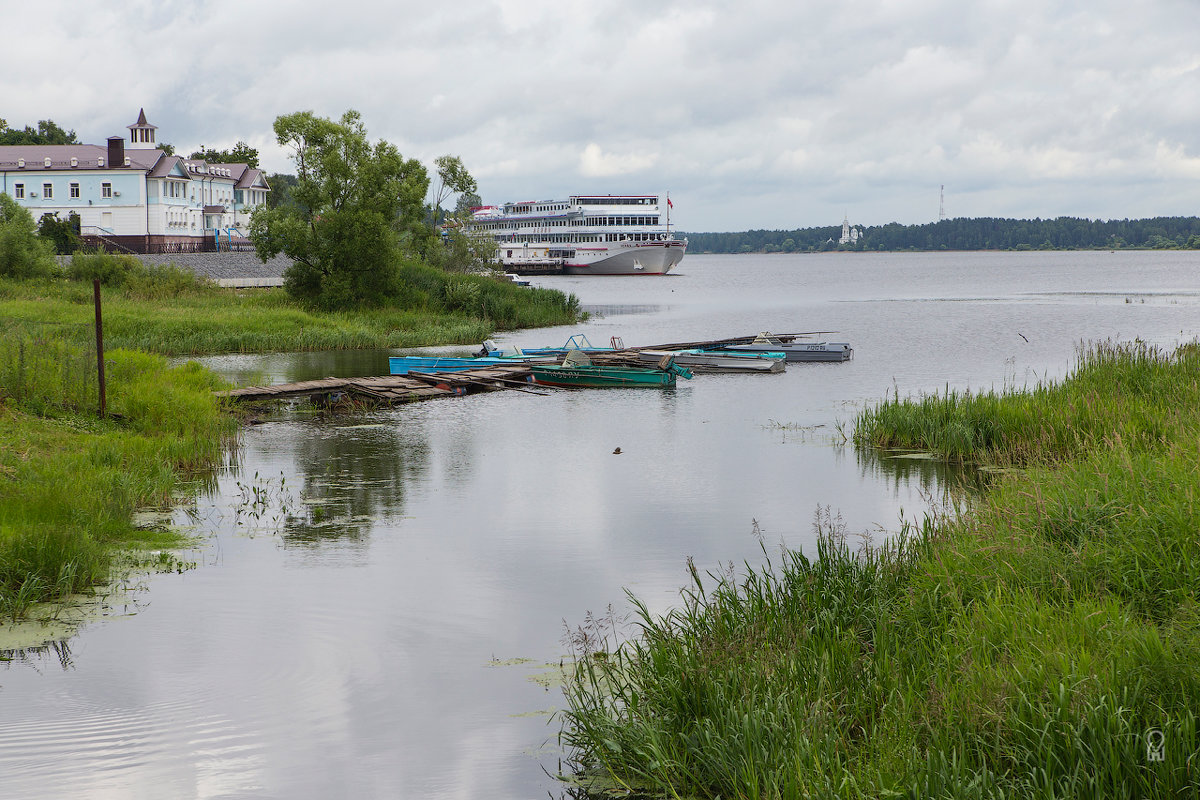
x: 977, y: 233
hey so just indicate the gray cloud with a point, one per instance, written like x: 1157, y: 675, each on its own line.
x: 754, y: 114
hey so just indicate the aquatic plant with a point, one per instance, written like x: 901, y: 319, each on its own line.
x: 1130, y: 392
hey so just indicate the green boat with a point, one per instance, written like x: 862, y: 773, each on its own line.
x: 578, y: 371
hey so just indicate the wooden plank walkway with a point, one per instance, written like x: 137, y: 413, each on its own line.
x: 394, y: 388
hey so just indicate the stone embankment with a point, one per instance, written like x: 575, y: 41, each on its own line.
x: 241, y: 269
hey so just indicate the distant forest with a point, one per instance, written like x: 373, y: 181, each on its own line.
x: 983, y: 233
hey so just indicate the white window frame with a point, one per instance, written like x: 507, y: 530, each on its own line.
x: 47, y: 191
x: 106, y: 189
x: 19, y: 191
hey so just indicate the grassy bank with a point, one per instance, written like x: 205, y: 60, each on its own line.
x: 165, y: 310
x: 71, y: 481
x: 1042, y: 643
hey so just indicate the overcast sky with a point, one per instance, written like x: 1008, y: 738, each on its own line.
x: 752, y: 114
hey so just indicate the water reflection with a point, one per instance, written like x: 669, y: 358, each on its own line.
x: 55, y: 651
x: 936, y: 478
x: 616, y: 309
x: 354, y: 472
x: 266, y: 368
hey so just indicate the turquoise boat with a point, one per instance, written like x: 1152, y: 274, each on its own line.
x: 402, y: 365
x: 595, y: 377
x: 578, y: 371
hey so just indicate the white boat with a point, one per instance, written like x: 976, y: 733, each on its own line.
x: 628, y: 234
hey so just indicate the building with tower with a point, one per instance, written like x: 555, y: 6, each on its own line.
x: 849, y: 235
x: 131, y: 196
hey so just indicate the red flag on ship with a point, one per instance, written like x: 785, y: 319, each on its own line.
x: 669, y: 203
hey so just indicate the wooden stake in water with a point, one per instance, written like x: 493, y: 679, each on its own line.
x: 99, y: 343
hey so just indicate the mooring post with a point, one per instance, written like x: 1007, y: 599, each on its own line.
x: 99, y: 344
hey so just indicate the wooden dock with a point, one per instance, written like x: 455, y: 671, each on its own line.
x: 394, y: 389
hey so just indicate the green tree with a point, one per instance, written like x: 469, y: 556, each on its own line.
x: 47, y: 132
x: 466, y: 201
x: 240, y: 153
x: 463, y: 252
x: 62, y: 233
x: 281, y: 185
x: 23, y: 254
x: 453, y: 179
x: 353, y: 202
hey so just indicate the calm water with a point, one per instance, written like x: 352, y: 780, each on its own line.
x: 377, y: 594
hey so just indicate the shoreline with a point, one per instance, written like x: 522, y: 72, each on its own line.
x: 1024, y: 646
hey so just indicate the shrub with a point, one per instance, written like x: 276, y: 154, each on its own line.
x: 23, y: 254
x: 111, y: 269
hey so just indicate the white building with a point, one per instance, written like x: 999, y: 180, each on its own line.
x: 130, y: 195
x: 849, y: 235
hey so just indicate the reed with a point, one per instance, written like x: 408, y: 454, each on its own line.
x: 1132, y: 392
x: 1041, y: 641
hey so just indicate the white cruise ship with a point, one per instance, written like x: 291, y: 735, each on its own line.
x: 626, y: 234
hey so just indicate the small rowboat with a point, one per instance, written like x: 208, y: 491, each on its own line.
x: 794, y: 350
x: 711, y: 361
x: 578, y: 371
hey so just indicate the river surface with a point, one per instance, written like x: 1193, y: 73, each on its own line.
x: 378, y: 595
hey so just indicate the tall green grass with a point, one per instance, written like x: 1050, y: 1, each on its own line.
x: 73, y: 481
x: 41, y: 371
x: 1042, y: 641
x: 1132, y: 392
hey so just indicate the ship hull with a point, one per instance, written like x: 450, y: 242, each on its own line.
x: 642, y: 258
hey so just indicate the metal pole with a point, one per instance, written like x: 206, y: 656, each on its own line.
x: 99, y: 344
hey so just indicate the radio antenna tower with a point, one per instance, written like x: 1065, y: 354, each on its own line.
x: 942, y: 203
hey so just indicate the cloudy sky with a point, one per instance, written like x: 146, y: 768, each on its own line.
x: 752, y: 114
